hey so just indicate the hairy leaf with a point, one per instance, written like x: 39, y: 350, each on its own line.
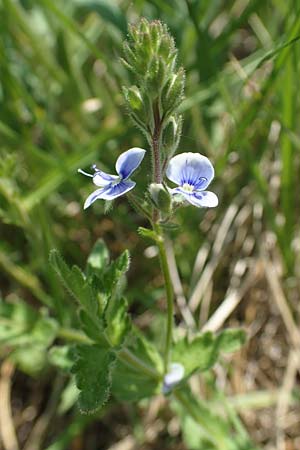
x: 82, y: 289
x: 21, y: 325
x: 201, y: 352
x: 198, y: 354
x: 231, y: 340
x: 137, y: 385
x: 98, y: 259
x: 92, y: 369
x: 118, y: 321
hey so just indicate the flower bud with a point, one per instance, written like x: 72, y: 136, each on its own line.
x: 173, y: 91
x: 156, y: 30
x: 144, y: 26
x: 161, y: 197
x: 133, y: 98
x: 156, y: 77
x: 133, y: 32
x: 172, y: 134
x: 128, y: 54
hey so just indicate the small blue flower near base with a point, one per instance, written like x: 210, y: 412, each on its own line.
x: 192, y: 172
x: 173, y: 377
x: 113, y: 186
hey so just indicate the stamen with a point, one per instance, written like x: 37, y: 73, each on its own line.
x: 84, y: 173
x: 95, y: 168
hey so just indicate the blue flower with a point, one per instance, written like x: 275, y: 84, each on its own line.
x: 112, y: 186
x: 173, y: 377
x: 192, y: 173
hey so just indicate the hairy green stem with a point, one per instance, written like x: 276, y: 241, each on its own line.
x: 169, y: 293
x: 156, y: 137
x: 132, y: 360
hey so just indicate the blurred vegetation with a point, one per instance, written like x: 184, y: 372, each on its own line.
x: 61, y: 108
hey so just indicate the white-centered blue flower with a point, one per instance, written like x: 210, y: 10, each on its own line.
x: 192, y: 172
x: 113, y: 186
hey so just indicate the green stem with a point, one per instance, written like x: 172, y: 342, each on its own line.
x: 132, y: 360
x: 169, y: 294
x: 215, y: 433
x: 124, y: 355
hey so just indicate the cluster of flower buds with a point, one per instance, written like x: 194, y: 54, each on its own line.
x: 150, y: 55
x: 152, y: 102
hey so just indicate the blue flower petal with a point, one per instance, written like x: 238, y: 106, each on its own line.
x: 100, y: 178
x: 173, y: 377
x: 202, y: 199
x: 129, y: 161
x: 93, y: 197
x: 190, y: 168
x: 117, y: 190
x: 103, y: 179
x: 110, y: 192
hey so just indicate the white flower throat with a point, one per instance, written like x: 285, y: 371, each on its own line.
x: 188, y: 187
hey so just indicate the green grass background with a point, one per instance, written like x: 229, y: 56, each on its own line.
x: 61, y: 108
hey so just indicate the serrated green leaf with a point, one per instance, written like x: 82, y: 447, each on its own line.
x: 113, y: 276
x: 137, y: 385
x: 21, y: 325
x: 30, y: 359
x: 28, y: 335
x: 201, y: 352
x: 75, y: 281
x: 61, y: 357
x: 16, y: 320
x: 81, y: 288
x: 118, y: 321
x: 93, y: 330
x: 98, y: 258
x: 92, y: 370
x: 231, y: 340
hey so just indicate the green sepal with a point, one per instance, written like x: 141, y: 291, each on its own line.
x: 148, y: 234
x: 172, y: 94
x: 171, y: 135
x: 160, y: 197
x: 133, y: 98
